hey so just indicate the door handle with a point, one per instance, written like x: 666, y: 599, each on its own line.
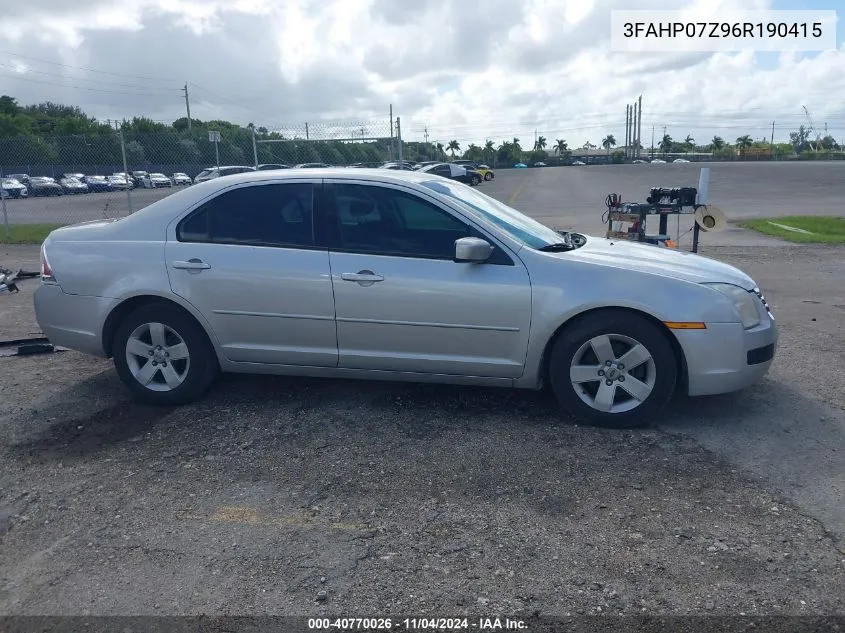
x: 363, y: 276
x: 191, y: 264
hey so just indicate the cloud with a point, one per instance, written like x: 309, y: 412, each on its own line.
x: 463, y: 69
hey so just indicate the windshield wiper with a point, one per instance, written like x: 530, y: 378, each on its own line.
x: 558, y: 247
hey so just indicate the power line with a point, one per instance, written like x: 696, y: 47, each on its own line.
x: 54, y: 84
x: 109, y: 83
x: 90, y: 70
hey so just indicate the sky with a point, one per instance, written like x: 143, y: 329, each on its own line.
x: 468, y: 70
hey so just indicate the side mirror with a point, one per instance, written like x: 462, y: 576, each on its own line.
x: 473, y: 250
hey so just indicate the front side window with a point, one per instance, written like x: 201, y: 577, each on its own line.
x: 258, y: 215
x: 518, y: 225
x: 385, y: 221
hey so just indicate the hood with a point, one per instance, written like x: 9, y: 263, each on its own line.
x: 667, y: 262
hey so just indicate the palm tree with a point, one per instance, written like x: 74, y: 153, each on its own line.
x: 608, y: 142
x: 489, y: 152
x: 473, y: 152
x: 689, y: 141
x: 717, y: 143
x: 517, y: 150
x: 743, y: 142
x: 561, y: 149
x: 540, y: 143
x: 453, y: 147
x: 440, y: 151
x: 665, y: 143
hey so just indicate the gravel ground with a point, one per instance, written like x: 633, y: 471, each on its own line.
x: 303, y: 496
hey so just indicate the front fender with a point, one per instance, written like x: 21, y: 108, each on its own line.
x: 564, y: 291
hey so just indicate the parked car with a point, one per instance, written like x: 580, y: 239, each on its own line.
x: 156, y: 180
x: 680, y: 160
x: 78, y: 176
x: 578, y: 162
x: 310, y: 165
x: 484, y: 170
x: 453, y: 172
x: 396, y: 275
x: 180, y: 178
x: 138, y: 177
x: 121, y: 182
x: 426, y: 163
x: 269, y: 166
x: 214, y: 172
x: 539, y: 163
x: 397, y: 166
x: 21, y: 178
x: 129, y: 181
x: 44, y: 186
x: 12, y: 188
x: 657, y: 161
x: 98, y: 183
x: 73, y: 185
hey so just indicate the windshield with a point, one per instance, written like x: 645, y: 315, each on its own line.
x: 513, y: 222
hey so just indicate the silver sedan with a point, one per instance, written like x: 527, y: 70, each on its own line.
x: 395, y: 275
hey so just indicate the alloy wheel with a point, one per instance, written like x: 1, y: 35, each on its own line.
x: 157, y: 357
x: 613, y: 373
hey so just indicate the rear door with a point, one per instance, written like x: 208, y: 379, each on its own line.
x: 249, y: 260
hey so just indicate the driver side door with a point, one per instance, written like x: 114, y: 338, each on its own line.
x: 403, y: 304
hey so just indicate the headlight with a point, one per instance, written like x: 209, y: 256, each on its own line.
x: 743, y: 301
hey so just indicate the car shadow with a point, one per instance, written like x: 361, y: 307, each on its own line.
x: 74, y: 423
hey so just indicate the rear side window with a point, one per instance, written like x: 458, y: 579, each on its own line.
x: 258, y: 215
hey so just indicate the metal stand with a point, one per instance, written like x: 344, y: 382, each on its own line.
x: 637, y: 214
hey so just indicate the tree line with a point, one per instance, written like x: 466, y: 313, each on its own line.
x: 51, y: 133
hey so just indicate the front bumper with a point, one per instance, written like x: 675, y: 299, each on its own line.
x: 726, y: 357
x: 72, y: 321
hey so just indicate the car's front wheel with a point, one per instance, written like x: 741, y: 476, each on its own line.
x: 612, y: 369
x: 163, y: 356
x: 488, y: 176
x: 476, y: 180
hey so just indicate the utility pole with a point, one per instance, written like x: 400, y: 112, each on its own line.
x: 639, y: 123
x: 634, y: 132
x: 306, y: 130
x: 399, y: 138
x: 772, y: 142
x: 652, y: 141
x: 187, y: 105
x: 391, y: 131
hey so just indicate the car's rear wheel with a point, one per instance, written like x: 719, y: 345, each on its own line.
x: 613, y: 369
x: 488, y: 176
x: 163, y: 356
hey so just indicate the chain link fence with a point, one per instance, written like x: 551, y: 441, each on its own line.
x: 74, y: 178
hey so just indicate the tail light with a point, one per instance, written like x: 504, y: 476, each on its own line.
x: 46, y: 271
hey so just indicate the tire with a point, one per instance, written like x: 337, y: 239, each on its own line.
x: 476, y: 180
x: 488, y: 176
x: 653, y: 377
x: 191, y: 375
